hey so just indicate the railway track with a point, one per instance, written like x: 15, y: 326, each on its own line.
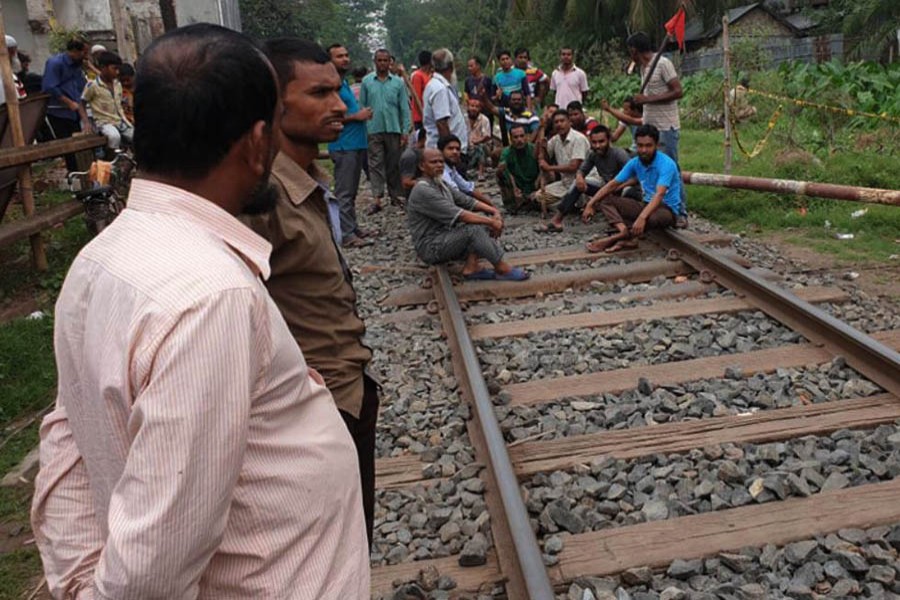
x: 705, y: 280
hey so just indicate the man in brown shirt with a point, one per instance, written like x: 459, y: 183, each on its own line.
x: 310, y: 281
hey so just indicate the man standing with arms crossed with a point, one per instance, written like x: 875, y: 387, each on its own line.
x: 385, y: 94
x: 568, y: 81
x: 310, y: 282
x: 192, y: 452
x: 348, y: 153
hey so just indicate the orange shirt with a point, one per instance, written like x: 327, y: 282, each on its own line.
x: 419, y: 80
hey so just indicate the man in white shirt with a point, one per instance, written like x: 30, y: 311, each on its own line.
x: 192, y: 452
x: 567, y: 149
x: 442, y: 112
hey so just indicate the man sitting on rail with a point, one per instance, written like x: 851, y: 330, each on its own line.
x: 445, y: 226
x: 661, y: 183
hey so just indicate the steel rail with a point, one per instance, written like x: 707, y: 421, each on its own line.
x: 529, y: 563
x: 871, y: 358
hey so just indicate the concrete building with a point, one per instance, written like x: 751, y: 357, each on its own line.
x: 31, y: 21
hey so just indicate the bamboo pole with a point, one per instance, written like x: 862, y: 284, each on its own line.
x: 119, y: 14
x: 26, y: 190
x: 800, y: 188
x: 726, y: 67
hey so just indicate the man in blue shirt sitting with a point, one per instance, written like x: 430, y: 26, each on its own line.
x: 349, y: 154
x: 661, y: 184
x: 64, y: 80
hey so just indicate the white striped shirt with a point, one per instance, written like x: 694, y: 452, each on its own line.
x: 192, y: 452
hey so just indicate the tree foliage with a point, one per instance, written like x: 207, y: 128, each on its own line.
x: 347, y: 22
x: 869, y: 26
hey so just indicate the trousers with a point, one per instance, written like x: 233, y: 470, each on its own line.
x: 620, y: 209
x: 362, y: 430
x: 384, y: 165
x: 460, y: 242
x: 348, y: 166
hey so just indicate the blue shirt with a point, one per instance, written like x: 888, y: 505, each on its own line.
x: 63, y: 77
x: 514, y: 80
x: 662, y: 170
x: 353, y: 136
x: 455, y: 181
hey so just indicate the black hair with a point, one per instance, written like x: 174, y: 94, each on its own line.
x: 640, y: 41
x: 444, y: 140
x: 525, y: 51
x: 24, y: 57
x: 108, y: 58
x: 283, y: 52
x: 504, y: 52
x: 332, y: 47
x: 126, y: 70
x: 600, y: 128
x: 191, y: 71
x: 570, y: 48
x: 519, y: 92
x: 561, y: 112
x: 75, y: 44
x: 477, y: 60
x: 647, y: 131
x: 421, y: 135
x: 360, y: 72
x: 424, y: 58
x: 553, y: 104
x: 383, y: 51
x: 575, y: 105
x: 517, y: 126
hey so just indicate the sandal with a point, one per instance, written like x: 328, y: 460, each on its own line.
x: 548, y: 227
x: 598, y: 246
x: 514, y: 274
x: 482, y: 275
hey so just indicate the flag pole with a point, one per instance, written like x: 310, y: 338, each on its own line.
x: 653, y: 63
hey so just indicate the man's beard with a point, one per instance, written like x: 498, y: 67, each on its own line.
x: 262, y: 198
x: 647, y: 160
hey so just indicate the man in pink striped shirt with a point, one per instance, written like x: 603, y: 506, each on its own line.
x: 192, y: 452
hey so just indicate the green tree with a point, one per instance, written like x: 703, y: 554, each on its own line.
x: 870, y: 26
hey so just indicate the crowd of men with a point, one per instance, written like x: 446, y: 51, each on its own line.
x: 214, y: 430
x: 90, y: 89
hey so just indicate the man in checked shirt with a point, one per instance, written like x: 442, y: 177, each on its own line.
x: 192, y: 452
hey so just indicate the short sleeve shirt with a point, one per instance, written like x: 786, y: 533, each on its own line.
x: 569, y: 85
x: 474, y: 84
x: 480, y: 129
x: 433, y: 209
x: 353, y: 135
x: 663, y: 115
x: 661, y: 171
x: 526, y: 118
x: 418, y: 80
x: 511, y: 81
x: 608, y: 165
x: 534, y: 77
x: 441, y: 101
x: 106, y: 102
x: 523, y: 166
x: 574, y: 147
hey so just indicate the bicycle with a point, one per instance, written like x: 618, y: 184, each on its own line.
x: 103, y: 202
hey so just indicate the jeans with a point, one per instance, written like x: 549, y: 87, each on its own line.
x: 668, y: 143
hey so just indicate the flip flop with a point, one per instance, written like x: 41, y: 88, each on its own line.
x: 594, y: 249
x: 515, y: 274
x: 482, y: 275
x: 548, y: 227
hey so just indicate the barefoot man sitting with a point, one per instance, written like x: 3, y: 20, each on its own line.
x: 445, y: 225
x: 661, y: 184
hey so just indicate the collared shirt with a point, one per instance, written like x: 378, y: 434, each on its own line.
x: 106, y: 101
x: 432, y: 209
x: 534, y: 76
x: 662, y: 170
x: 474, y: 85
x: 569, y: 85
x: 662, y: 115
x: 311, y: 284
x: 389, y: 102
x: 575, y: 146
x: 63, y: 77
x: 523, y: 166
x: 481, y: 128
x: 353, y: 136
x: 455, y: 181
x: 192, y: 452
x: 442, y: 102
x: 608, y: 165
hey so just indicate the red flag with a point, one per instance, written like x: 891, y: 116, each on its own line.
x: 675, y: 27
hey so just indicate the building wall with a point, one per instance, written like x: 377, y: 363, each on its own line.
x: 758, y: 23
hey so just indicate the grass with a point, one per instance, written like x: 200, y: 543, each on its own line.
x: 18, y: 572
x: 743, y: 211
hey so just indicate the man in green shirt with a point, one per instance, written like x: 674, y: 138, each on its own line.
x: 518, y: 171
x: 386, y: 95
